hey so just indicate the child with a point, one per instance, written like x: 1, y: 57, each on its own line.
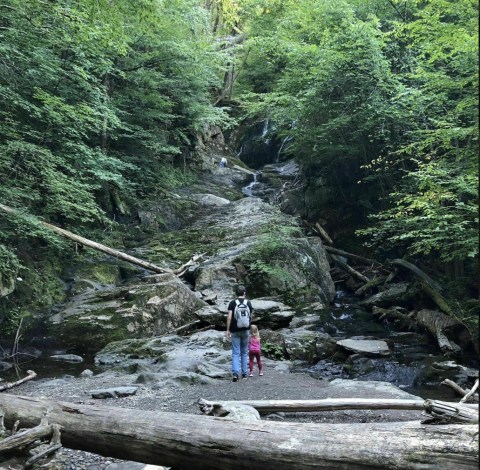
x: 254, y: 349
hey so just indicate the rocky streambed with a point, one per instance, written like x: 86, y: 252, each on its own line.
x: 157, y: 342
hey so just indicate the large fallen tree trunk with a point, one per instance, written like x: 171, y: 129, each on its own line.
x: 96, y: 246
x: 202, y: 442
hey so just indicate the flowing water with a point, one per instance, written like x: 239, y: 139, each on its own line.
x: 413, y: 362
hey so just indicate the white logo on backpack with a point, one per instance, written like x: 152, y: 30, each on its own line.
x: 242, y: 314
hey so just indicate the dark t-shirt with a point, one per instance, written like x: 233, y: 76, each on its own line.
x: 231, y: 307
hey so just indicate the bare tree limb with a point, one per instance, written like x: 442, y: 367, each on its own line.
x: 30, y: 375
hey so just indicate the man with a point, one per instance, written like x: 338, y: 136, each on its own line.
x: 223, y: 162
x: 239, y: 334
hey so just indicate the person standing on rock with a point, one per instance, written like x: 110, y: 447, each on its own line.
x: 238, y: 328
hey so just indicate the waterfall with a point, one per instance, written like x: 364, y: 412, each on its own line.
x: 284, y: 141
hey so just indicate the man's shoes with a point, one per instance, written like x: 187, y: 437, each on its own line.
x: 244, y: 376
x: 251, y: 374
x: 234, y: 378
x: 261, y: 373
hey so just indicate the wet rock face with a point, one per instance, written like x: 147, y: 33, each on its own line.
x: 301, y: 260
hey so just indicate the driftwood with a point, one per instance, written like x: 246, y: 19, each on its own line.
x: 334, y: 404
x: 204, y: 442
x: 461, y: 391
x: 96, y: 246
x: 183, y: 269
x: 436, y: 297
x: 428, y: 285
x: 470, y: 393
x: 372, y: 283
x: 28, y: 436
x: 322, y: 232
x: 443, y: 412
x: 396, y: 313
x: 349, y: 269
x: 30, y: 375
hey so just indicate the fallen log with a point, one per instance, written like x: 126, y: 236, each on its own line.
x: 418, y: 272
x: 96, y: 246
x: 203, y: 442
x: 30, y: 375
x: 443, y: 412
x: 27, y: 436
x: 396, y: 313
x: 436, y: 323
x: 372, y: 283
x: 334, y: 404
x: 346, y: 254
x: 322, y: 232
x: 349, y: 269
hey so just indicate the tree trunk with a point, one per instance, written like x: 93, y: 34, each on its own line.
x: 333, y: 404
x: 202, y: 442
x: 96, y: 246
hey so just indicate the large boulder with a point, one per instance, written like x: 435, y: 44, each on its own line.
x: 95, y: 318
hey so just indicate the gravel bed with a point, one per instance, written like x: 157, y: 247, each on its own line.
x: 183, y: 399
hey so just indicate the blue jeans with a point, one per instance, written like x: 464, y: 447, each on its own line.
x: 240, y: 351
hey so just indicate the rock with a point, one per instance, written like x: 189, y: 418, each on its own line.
x: 67, y: 358
x: 94, y: 319
x: 365, y: 346
x: 5, y: 366
x: 396, y: 294
x: 115, y: 392
x: 210, y: 200
x: 306, y: 321
x: 301, y: 344
x: 325, y: 345
x: 86, y: 374
x: 344, y: 388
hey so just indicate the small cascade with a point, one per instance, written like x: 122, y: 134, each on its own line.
x: 265, y: 130
x: 285, y: 140
x: 250, y: 188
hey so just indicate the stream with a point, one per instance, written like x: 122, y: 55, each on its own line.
x: 415, y: 363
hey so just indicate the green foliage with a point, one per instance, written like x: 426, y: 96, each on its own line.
x: 274, y: 351
x: 9, y: 263
x: 267, y: 255
x: 380, y: 101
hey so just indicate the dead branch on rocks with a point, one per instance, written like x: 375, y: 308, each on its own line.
x: 335, y: 404
x: 418, y: 272
x: 96, y: 246
x: 349, y: 269
x: 398, y: 314
x: 372, y: 283
x: 323, y: 234
x: 470, y: 393
x: 30, y: 375
x: 437, y: 323
x: 461, y: 391
x: 183, y: 269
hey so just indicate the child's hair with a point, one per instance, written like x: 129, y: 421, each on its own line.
x: 254, y: 331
